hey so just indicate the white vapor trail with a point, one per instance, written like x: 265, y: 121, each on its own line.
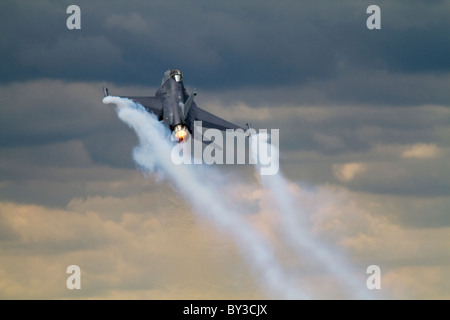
x: 153, y: 154
x: 293, y: 226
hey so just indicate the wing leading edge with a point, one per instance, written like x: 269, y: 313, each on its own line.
x: 208, y: 120
x: 152, y: 104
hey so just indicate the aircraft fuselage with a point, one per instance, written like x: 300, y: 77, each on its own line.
x: 172, y: 94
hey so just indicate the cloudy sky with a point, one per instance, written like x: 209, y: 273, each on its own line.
x: 364, y: 141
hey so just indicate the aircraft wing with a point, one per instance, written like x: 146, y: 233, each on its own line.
x: 208, y: 120
x: 152, y: 104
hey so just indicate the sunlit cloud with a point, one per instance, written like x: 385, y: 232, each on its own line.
x: 348, y: 171
x: 421, y: 151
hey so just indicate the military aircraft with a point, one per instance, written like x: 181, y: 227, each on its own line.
x: 177, y: 109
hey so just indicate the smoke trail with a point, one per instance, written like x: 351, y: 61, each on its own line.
x: 299, y: 237
x: 153, y: 153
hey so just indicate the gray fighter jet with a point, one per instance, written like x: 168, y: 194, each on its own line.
x: 177, y: 109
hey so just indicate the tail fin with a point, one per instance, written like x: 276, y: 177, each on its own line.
x: 188, y: 103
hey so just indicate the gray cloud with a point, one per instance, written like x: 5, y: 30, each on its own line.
x: 62, y: 132
x: 233, y: 43
x: 50, y: 111
x: 75, y: 55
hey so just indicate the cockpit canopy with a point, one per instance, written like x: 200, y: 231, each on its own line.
x: 176, y: 75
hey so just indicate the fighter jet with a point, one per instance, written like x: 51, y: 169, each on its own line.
x: 177, y: 109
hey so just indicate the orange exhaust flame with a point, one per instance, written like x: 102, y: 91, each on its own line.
x: 180, y: 133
